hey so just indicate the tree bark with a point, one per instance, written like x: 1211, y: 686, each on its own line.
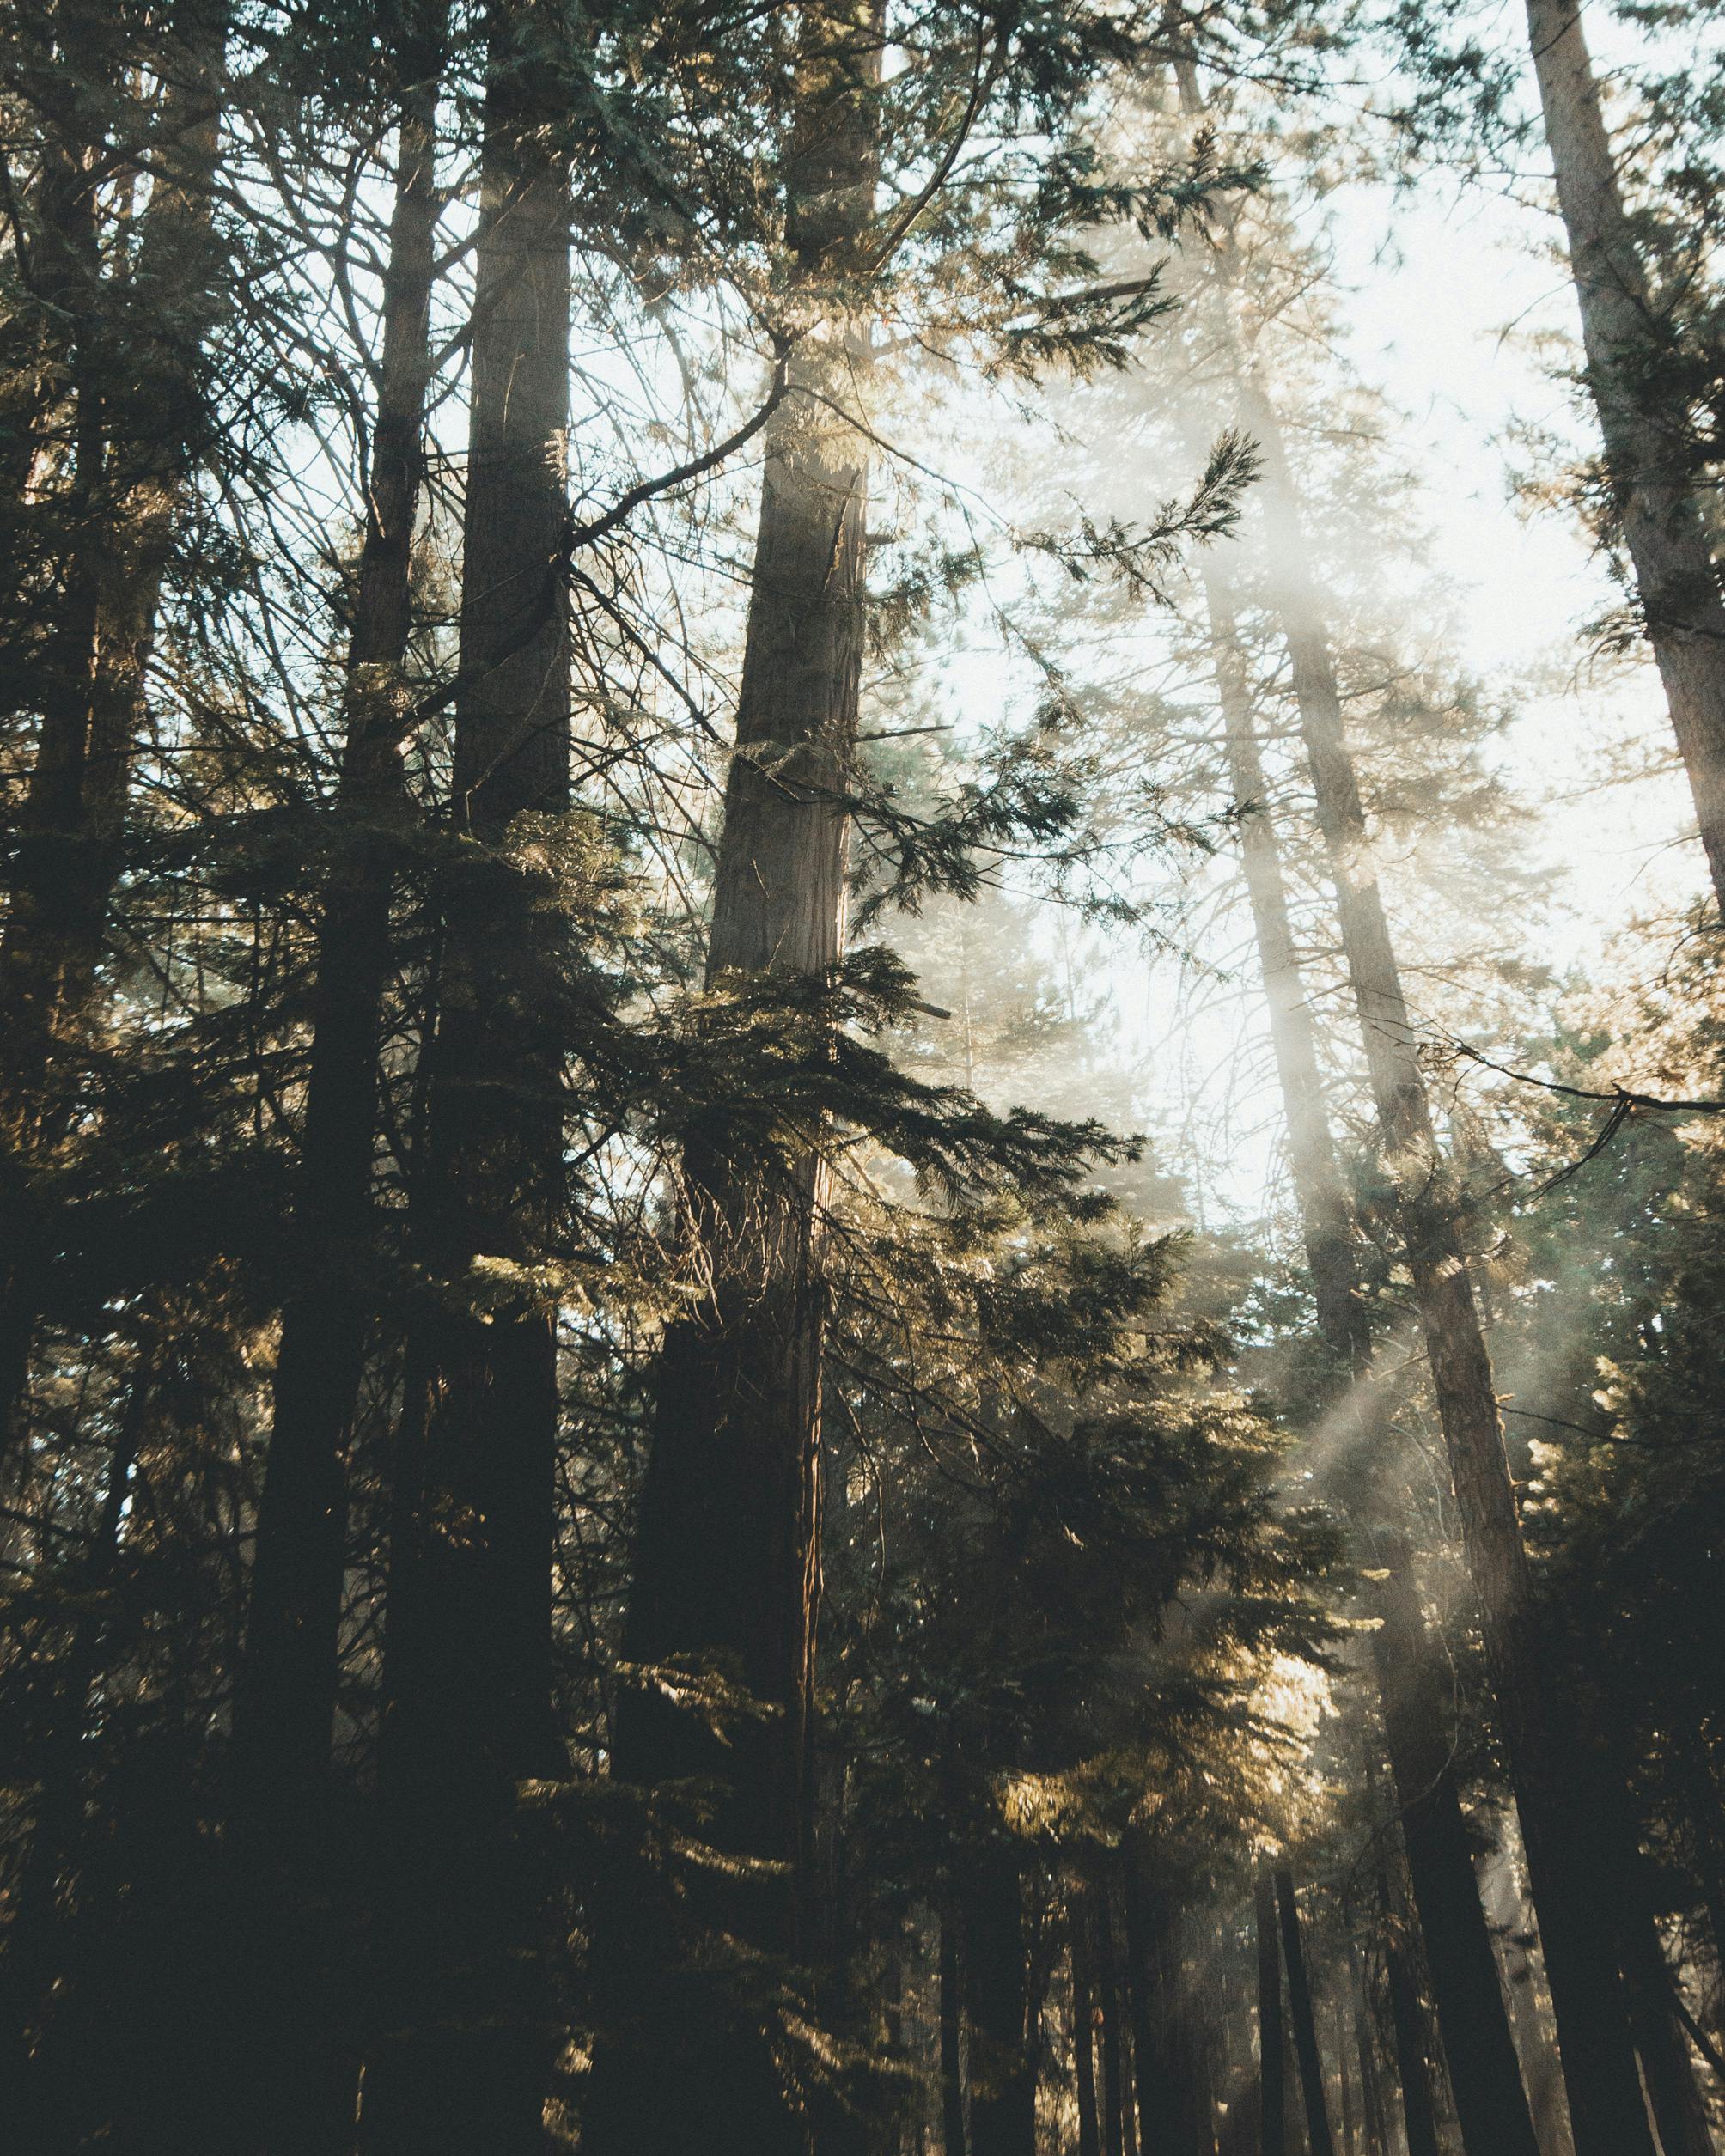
x: 1083, y: 2028
x: 138, y: 425
x: 301, y: 2095
x: 1650, y: 474
x: 1472, y: 2014
x: 953, y: 2138
x: 725, y: 1578
x: 1305, y: 2022
x: 1271, y: 2043
x: 1485, y: 2072
x: 1599, y: 2063
x: 1108, y: 1988
x: 460, y: 2056
x: 1002, y: 2072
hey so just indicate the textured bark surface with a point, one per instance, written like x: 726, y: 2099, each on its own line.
x: 725, y: 1578
x: 1645, y: 451
x: 1271, y: 2040
x: 1484, y: 2070
x: 301, y: 2095
x: 1320, y: 2141
x: 137, y: 435
x: 459, y: 2057
x: 1604, y: 2099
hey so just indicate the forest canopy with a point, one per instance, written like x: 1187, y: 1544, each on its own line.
x: 862, y: 1078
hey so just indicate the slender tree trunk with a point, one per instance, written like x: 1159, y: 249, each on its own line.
x: 1304, y: 2020
x: 1374, y: 2115
x: 1271, y: 2042
x: 299, y: 2094
x: 1679, y: 2110
x: 1605, y: 2096
x: 953, y: 2138
x: 460, y: 2056
x: 1646, y: 448
x: 725, y: 1575
x: 1108, y: 1986
x: 1083, y: 2028
x: 138, y: 429
x: 1351, y: 2128
x: 1485, y: 2072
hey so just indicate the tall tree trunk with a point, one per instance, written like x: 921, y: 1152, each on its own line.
x: 301, y: 2095
x: 1175, y: 2106
x: 1651, y: 475
x: 1485, y: 2072
x: 460, y: 2057
x: 1679, y: 2110
x: 1373, y: 2115
x: 953, y: 2139
x: 138, y: 427
x: 1472, y: 2014
x: 725, y: 1575
x: 1084, y: 2025
x: 1271, y: 2040
x: 1416, y: 2067
x: 1304, y: 2020
x: 1002, y: 2071
x: 1599, y: 2063
x: 1108, y: 1989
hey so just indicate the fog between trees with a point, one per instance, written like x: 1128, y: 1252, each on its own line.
x: 860, y: 1178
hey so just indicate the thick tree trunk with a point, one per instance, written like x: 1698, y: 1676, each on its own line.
x: 1271, y: 2040
x: 1002, y: 2072
x: 726, y: 1576
x: 1650, y: 474
x: 301, y: 2095
x: 1599, y: 2063
x: 460, y: 2056
x: 1416, y: 2068
x: 1485, y: 2072
x: 1176, y: 2112
x: 1305, y: 2023
x: 139, y: 432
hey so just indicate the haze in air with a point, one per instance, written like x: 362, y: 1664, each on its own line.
x: 861, y: 1055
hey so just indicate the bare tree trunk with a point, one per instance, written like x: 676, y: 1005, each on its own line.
x: 953, y: 2137
x: 1304, y: 2020
x: 1650, y: 474
x: 1599, y: 2063
x: 1484, y: 2073
x: 1002, y: 2072
x: 301, y: 2091
x: 1083, y: 2028
x: 725, y: 1575
x: 1109, y: 1987
x: 460, y: 2056
x: 138, y: 433
x: 1271, y: 2043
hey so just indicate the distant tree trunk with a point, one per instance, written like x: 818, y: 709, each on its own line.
x: 952, y: 2034
x: 1350, y: 2131
x: 1083, y: 2030
x: 459, y: 2058
x: 1002, y: 2071
x: 1108, y: 1986
x: 726, y: 1574
x: 1175, y: 2103
x: 285, y: 1690
x: 1599, y: 2063
x: 139, y: 432
x: 1271, y: 2043
x: 1304, y: 2020
x: 1651, y: 477
x: 1374, y: 2115
x: 1490, y: 2100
